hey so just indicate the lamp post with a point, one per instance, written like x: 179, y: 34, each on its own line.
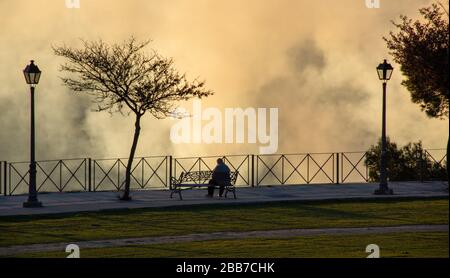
x: 384, y: 71
x: 32, y: 75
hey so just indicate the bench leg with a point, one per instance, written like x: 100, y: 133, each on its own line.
x: 174, y: 191
x: 232, y: 190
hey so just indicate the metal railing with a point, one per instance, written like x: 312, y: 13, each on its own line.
x: 240, y: 163
x: 312, y: 168
x: 3, y: 178
x: 52, y: 175
x: 295, y: 168
x: 109, y: 174
x: 353, y: 168
x: 432, y: 164
x: 155, y: 172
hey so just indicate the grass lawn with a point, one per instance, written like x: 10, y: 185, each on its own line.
x: 206, y: 219
x: 400, y: 245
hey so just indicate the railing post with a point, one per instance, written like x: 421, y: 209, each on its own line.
x: 421, y: 165
x: 253, y: 170
x: 367, y: 167
x: 142, y: 172
x: 89, y: 174
x: 119, y: 185
x: 93, y: 176
x: 307, y: 169
x: 60, y: 189
x: 337, y: 168
x: 1, y: 177
x: 257, y: 170
x: 9, y: 179
x: 170, y: 172
x: 5, y: 163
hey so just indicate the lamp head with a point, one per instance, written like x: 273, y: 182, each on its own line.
x: 384, y: 71
x: 32, y: 74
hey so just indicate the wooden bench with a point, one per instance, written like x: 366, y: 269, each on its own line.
x: 199, y: 179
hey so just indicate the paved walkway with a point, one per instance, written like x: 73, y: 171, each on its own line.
x: 50, y: 247
x: 94, y: 201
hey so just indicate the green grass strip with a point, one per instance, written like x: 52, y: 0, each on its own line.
x: 207, y: 219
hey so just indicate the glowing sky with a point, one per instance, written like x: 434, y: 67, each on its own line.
x: 313, y: 59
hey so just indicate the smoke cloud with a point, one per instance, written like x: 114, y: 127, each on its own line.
x: 314, y: 60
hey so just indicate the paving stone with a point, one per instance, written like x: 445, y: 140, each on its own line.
x: 55, y: 203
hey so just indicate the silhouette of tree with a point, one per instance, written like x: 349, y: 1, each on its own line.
x: 122, y: 78
x: 421, y: 49
x: 403, y: 164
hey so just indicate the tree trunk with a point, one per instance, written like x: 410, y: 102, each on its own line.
x: 448, y: 156
x: 137, y: 131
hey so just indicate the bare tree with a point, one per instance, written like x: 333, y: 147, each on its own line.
x: 124, y: 79
x: 421, y: 49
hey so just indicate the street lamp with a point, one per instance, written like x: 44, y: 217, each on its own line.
x: 384, y: 71
x: 32, y: 75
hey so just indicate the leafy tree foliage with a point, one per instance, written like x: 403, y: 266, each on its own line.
x: 421, y: 49
x: 405, y: 163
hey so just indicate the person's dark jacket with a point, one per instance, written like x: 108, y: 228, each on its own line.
x: 221, y: 174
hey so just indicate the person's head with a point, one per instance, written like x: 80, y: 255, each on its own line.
x: 220, y: 161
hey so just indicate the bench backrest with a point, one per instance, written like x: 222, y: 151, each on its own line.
x: 203, y: 177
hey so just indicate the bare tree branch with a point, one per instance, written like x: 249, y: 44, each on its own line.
x: 122, y: 78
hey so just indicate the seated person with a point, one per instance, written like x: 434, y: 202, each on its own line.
x: 220, y: 177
